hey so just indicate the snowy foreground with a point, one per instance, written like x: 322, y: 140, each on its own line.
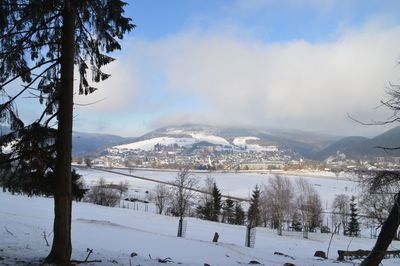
x: 114, y: 233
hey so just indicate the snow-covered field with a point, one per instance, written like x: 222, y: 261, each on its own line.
x: 114, y: 233
x: 233, y: 184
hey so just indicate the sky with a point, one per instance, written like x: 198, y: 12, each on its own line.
x: 289, y: 64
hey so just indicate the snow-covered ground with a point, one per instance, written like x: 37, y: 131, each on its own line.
x: 242, y: 142
x: 199, y: 137
x: 114, y: 233
x: 233, y: 184
x: 148, y: 144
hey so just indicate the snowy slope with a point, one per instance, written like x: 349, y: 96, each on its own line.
x: 242, y: 142
x: 209, y: 138
x: 148, y: 144
x: 187, y: 139
x: 115, y: 233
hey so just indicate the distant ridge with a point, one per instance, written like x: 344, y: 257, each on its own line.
x: 305, y: 144
x: 361, y: 147
x: 91, y: 143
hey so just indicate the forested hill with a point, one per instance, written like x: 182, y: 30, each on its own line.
x: 361, y: 147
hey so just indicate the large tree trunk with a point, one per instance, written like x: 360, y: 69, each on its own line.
x: 385, y: 237
x: 61, y: 249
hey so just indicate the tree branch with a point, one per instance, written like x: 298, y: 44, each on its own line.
x: 33, y: 68
x: 3, y: 106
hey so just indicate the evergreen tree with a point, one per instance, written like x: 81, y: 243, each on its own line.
x: 40, y: 42
x: 239, y: 214
x: 212, y: 205
x: 296, y: 222
x: 353, y: 228
x: 253, y: 214
x: 228, y: 211
x: 216, y: 206
x: 205, y: 212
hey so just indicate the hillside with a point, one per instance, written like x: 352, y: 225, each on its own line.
x: 305, y: 144
x: 90, y: 143
x: 361, y: 147
x: 348, y: 146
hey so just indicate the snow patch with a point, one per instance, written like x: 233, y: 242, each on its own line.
x: 242, y: 142
x: 199, y: 137
x: 148, y: 144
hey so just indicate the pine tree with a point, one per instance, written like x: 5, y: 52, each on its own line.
x: 296, y: 222
x: 228, y: 211
x: 353, y: 228
x: 212, y: 205
x: 216, y: 198
x: 239, y: 214
x: 253, y: 214
x: 40, y: 42
x: 205, y: 212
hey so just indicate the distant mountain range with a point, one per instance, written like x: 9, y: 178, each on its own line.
x: 361, y: 147
x: 307, y: 144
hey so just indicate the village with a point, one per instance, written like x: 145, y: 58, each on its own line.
x: 212, y: 158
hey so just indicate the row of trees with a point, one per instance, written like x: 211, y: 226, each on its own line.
x: 276, y: 204
x: 212, y: 207
x: 281, y: 203
x: 181, y: 199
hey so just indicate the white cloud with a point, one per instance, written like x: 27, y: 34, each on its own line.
x: 115, y: 93
x: 291, y: 84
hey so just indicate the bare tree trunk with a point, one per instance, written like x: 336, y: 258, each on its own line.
x: 180, y: 226
x: 61, y: 249
x: 385, y: 237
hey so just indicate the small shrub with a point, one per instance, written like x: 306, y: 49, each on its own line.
x: 103, y: 194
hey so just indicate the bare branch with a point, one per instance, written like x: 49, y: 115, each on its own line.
x: 8, y: 231
x: 91, y: 103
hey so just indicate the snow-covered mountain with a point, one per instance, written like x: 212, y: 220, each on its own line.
x: 188, y: 137
x: 230, y: 138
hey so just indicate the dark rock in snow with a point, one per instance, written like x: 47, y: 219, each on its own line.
x: 320, y: 254
x: 133, y: 254
x: 216, y: 236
